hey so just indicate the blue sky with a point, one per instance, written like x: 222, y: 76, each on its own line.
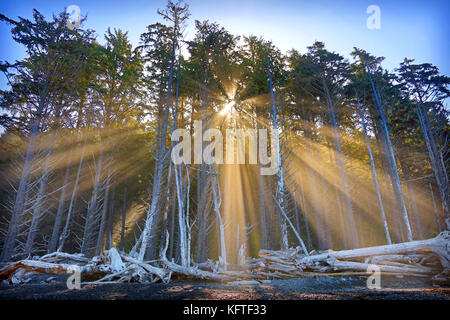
x: 413, y: 29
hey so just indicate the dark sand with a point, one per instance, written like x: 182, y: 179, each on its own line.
x: 311, y: 288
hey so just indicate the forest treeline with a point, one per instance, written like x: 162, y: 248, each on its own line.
x: 85, y: 151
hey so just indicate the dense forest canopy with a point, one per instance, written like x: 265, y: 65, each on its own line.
x: 85, y: 152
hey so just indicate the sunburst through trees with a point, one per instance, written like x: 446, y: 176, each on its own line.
x: 361, y: 151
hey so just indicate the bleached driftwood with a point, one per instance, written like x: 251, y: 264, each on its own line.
x: 147, y: 267
x: 196, y: 273
x: 131, y: 270
x: 440, y: 245
x: 424, y: 258
x: 190, y: 271
x: 61, y: 256
x: 291, y: 225
x: 113, y: 260
x: 98, y: 267
x: 359, y: 266
x: 49, y: 268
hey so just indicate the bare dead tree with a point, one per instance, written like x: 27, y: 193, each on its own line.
x: 374, y: 173
x: 391, y: 157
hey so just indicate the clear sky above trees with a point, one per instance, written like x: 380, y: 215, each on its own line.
x: 413, y: 29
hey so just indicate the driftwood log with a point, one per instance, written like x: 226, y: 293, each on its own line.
x: 440, y: 245
x: 429, y: 257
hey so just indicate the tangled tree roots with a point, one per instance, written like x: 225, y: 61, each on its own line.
x: 429, y: 258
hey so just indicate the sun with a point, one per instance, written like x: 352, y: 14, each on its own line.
x: 228, y: 108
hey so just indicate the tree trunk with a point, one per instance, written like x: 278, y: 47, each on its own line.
x: 154, y: 210
x: 90, y: 225
x: 314, y: 196
x: 172, y: 230
x: 436, y: 211
x: 374, y: 173
x: 104, y: 217
x: 341, y: 167
x: 124, y: 217
x: 217, y: 199
x: 280, y: 187
x: 59, y: 213
x: 203, y: 183
x: 338, y: 199
x: 109, y: 226
x: 296, y: 212
x: 292, y: 227
x: 9, y: 245
x: 394, y: 201
x: 412, y: 200
x: 396, y: 179
x: 65, y: 232
x: 325, y: 211
x: 440, y: 171
x: 37, y: 205
x: 304, y: 207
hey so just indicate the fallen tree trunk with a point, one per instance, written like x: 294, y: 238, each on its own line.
x: 49, y: 268
x: 190, y: 271
x: 149, y: 268
x: 55, y: 257
x: 419, y: 258
x: 440, y: 245
x: 358, y: 266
